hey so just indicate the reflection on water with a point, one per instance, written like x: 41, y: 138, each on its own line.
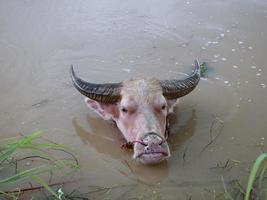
x: 105, y: 138
x: 185, y: 132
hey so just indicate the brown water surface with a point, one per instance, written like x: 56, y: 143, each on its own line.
x: 114, y: 40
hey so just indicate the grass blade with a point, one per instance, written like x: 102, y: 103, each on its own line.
x: 45, y: 185
x: 253, y: 174
x: 25, y: 174
x: 18, y: 149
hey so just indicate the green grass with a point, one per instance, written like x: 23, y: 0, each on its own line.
x: 255, y: 186
x: 31, y: 147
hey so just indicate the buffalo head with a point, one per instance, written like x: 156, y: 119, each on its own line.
x: 140, y: 108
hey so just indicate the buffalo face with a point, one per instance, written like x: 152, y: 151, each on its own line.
x: 140, y: 108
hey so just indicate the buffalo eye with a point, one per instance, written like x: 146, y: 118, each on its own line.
x: 124, y: 110
x: 163, y: 107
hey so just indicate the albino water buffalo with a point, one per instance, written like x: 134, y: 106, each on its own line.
x: 139, y: 108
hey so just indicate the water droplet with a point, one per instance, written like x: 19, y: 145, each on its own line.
x: 240, y: 42
x: 246, y: 81
x: 233, y: 50
x: 227, y: 31
x: 237, y: 105
x: 203, y: 48
x: 131, y: 61
x: 263, y: 85
x: 216, y: 56
x: 224, y: 59
x: 226, y: 82
x: 249, y: 100
x: 126, y: 70
x: 258, y: 74
x: 222, y: 35
x: 235, y: 66
x: 259, y: 70
x: 250, y: 47
x: 253, y: 67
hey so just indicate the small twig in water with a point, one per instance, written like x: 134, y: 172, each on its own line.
x: 212, y: 139
x: 225, y: 190
x: 128, y: 165
x: 38, y: 187
x: 51, y: 176
x: 184, y: 155
x: 228, y: 165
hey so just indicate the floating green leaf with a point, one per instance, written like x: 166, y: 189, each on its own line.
x: 203, y: 69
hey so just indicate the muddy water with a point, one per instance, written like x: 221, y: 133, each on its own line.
x: 117, y: 40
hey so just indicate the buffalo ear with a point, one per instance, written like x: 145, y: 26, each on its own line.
x: 171, y: 104
x: 106, y: 111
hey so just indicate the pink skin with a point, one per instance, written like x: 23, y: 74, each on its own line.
x: 141, y: 117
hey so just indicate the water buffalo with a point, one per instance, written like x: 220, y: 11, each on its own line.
x: 139, y: 108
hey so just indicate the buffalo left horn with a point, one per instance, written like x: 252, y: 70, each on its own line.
x: 108, y: 93
x: 173, y: 89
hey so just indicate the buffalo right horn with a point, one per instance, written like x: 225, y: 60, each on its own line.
x: 173, y: 89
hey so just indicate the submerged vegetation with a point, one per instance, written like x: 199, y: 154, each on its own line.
x: 26, y: 159
x: 28, y: 164
x: 256, y: 185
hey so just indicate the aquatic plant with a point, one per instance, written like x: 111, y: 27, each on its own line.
x: 32, y: 148
x: 256, y: 189
x: 203, y: 69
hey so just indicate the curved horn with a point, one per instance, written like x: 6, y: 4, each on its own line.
x: 173, y: 89
x: 105, y: 93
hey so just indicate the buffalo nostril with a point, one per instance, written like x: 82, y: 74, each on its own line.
x: 150, y: 140
x: 153, y: 139
x: 140, y: 142
x: 162, y: 141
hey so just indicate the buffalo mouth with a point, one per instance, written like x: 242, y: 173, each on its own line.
x: 152, y: 157
x: 151, y: 149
